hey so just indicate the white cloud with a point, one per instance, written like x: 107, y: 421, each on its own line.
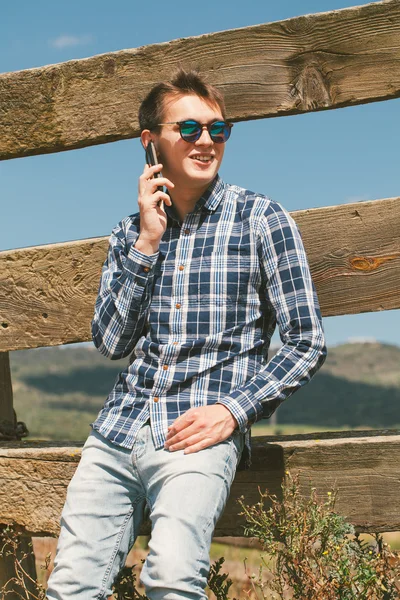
x: 68, y: 41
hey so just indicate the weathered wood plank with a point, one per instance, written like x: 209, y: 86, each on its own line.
x: 364, y: 466
x: 47, y: 293
x: 313, y: 62
x: 354, y: 254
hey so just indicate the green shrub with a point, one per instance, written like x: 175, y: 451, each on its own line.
x: 317, y: 554
x: 309, y: 553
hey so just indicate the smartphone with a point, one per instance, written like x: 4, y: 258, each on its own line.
x: 151, y: 159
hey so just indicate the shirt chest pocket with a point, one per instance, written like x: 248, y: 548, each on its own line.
x: 226, y: 275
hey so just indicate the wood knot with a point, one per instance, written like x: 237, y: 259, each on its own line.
x: 297, y: 26
x: 369, y: 263
x: 310, y: 88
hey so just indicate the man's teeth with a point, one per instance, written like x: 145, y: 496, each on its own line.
x: 203, y: 158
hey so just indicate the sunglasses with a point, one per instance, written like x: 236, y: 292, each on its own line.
x: 191, y: 130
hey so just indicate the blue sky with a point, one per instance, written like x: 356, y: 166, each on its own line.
x: 302, y: 161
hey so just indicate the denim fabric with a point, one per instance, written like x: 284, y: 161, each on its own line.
x: 107, y: 497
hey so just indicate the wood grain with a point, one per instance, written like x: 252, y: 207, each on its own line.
x: 354, y: 254
x: 47, y: 293
x: 364, y: 466
x: 307, y: 63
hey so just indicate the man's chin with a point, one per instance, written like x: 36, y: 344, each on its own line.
x: 193, y: 179
x: 203, y: 177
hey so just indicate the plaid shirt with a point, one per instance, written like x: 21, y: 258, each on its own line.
x: 197, y: 317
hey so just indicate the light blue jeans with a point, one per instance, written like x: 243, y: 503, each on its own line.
x: 185, y: 495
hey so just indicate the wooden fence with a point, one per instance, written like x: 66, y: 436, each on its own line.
x: 308, y: 63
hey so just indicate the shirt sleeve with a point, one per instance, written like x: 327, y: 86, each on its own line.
x: 124, y: 295
x: 290, y: 292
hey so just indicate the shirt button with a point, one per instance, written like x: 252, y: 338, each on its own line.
x: 177, y: 305
x: 187, y: 231
x: 165, y: 367
x: 175, y: 343
x: 146, y: 269
x: 156, y: 399
x: 181, y: 267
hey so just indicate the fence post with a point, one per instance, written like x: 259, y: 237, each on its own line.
x: 7, y: 418
x: 11, y: 430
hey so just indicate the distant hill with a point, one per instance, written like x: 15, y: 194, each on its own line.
x: 368, y: 362
x: 59, y: 391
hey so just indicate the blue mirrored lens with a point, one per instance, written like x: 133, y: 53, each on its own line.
x: 219, y: 131
x: 190, y: 130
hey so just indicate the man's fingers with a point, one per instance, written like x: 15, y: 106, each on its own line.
x: 200, y: 446
x: 192, y: 444
x: 149, y: 171
x: 179, y: 425
x: 186, y: 420
x: 155, y: 182
x: 159, y: 195
x: 149, y: 175
x: 148, y: 185
x: 182, y: 435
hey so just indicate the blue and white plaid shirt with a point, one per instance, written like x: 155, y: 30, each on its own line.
x: 197, y: 316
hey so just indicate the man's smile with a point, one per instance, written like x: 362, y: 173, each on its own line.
x: 203, y: 158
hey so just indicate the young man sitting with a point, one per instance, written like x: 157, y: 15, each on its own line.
x: 191, y: 290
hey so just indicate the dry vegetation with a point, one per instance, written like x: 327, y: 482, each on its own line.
x: 241, y: 563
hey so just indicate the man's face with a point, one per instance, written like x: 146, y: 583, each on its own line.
x: 194, y: 165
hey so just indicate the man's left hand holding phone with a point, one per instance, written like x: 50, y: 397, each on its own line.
x: 151, y: 199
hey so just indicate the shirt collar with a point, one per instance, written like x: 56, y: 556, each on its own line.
x: 209, y: 201
x: 212, y: 196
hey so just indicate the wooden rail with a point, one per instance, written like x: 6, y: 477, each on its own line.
x: 308, y: 63
x: 365, y: 466
x: 47, y: 293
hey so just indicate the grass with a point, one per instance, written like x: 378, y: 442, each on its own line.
x: 260, y: 429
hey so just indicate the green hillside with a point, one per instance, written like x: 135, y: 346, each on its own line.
x: 372, y: 362
x: 59, y: 391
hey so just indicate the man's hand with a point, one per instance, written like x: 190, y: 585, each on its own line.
x: 153, y: 218
x: 200, y: 427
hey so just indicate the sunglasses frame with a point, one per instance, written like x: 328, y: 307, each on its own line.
x: 201, y: 128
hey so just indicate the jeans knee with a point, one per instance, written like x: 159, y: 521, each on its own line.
x: 174, y: 575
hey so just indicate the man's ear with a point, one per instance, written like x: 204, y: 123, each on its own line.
x: 145, y: 137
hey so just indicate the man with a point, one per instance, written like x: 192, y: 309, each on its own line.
x: 192, y: 288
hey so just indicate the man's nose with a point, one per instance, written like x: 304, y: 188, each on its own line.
x: 205, y: 138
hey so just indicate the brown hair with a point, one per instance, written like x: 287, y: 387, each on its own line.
x: 151, y: 110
